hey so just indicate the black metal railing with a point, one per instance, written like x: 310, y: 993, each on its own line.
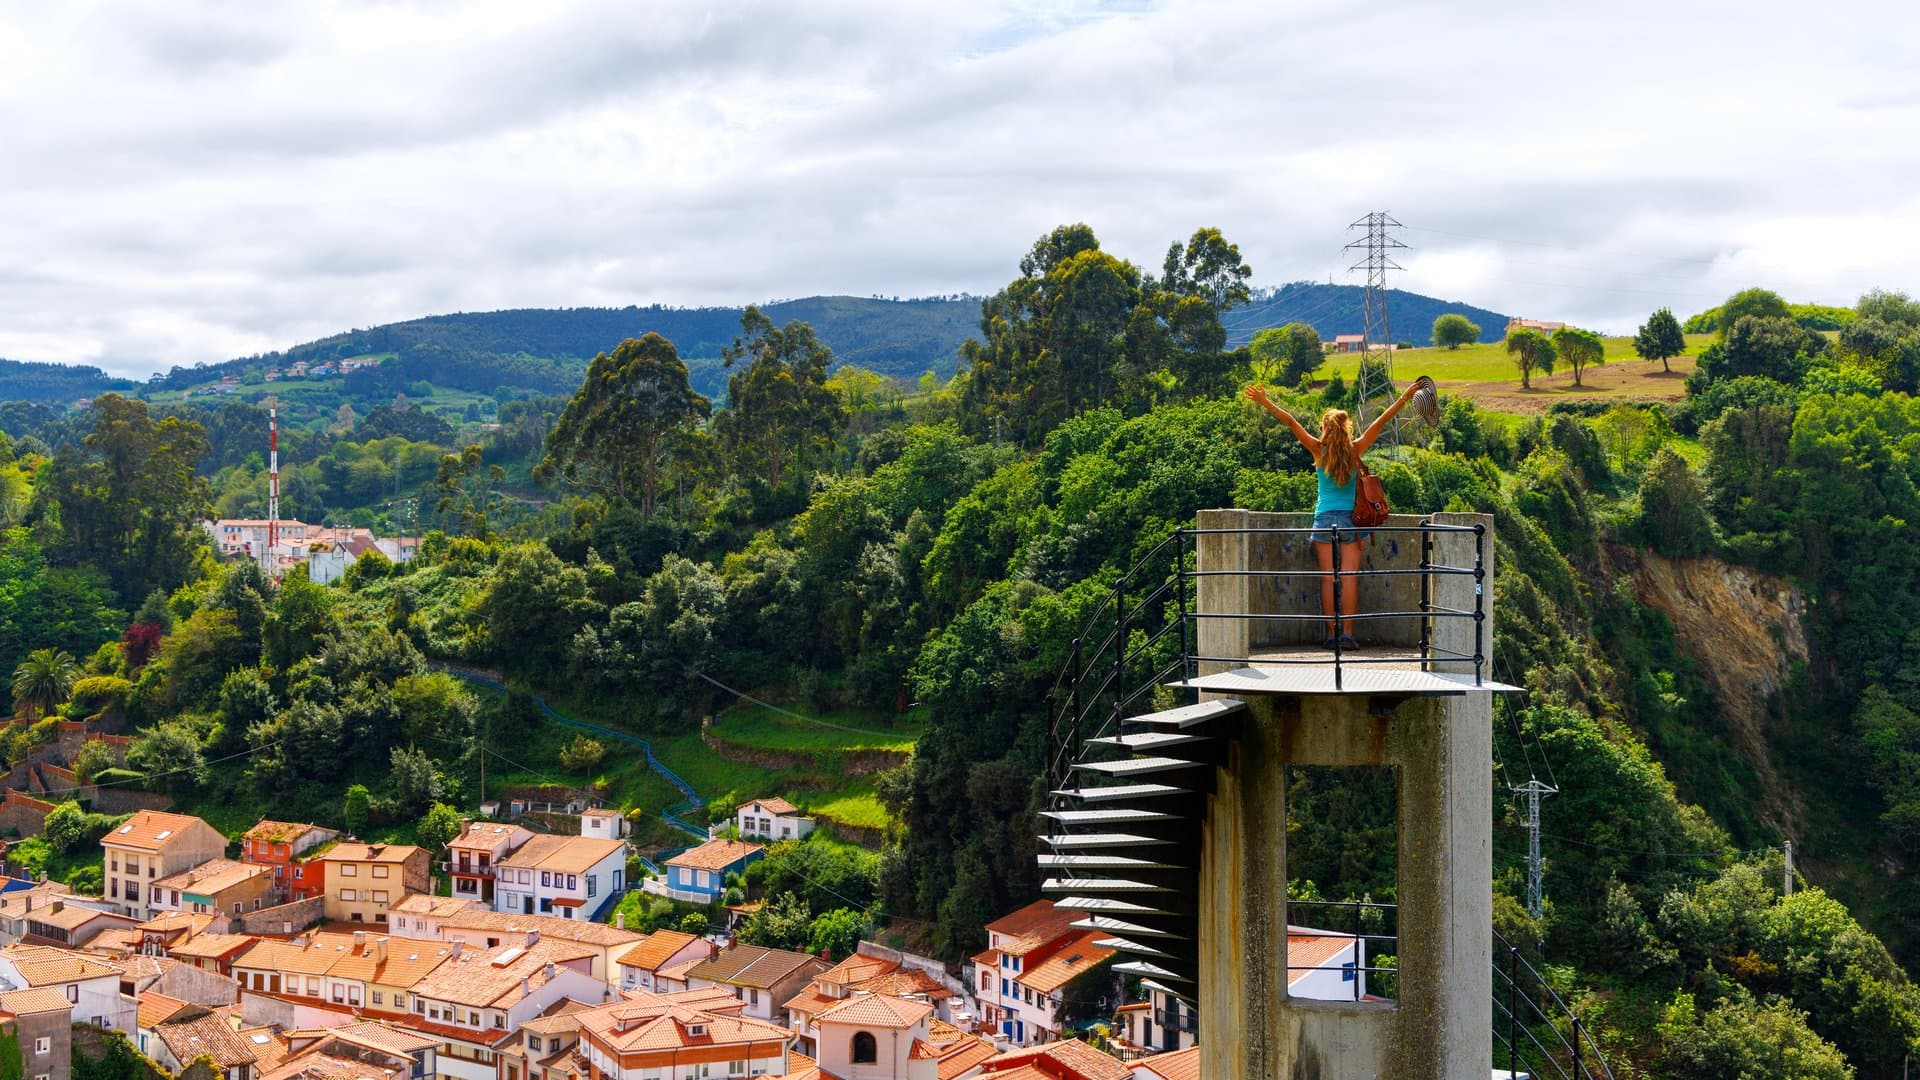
x: 1144, y: 633
x: 1535, y: 1033
x: 1375, y: 932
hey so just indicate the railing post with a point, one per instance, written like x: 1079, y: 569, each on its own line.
x: 1480, y: 631
x: 1188, y: 669
x: 1339, y: 625
x: 1426, y: 594
x: 1513, y: 1035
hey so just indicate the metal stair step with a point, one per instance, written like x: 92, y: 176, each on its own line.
x: 1101, y: 903
x: 1076, y: 841
x: 1108, y: 817
x: 1188, y: 716
x: 1127, y: 945
x: 1101, y: 862
x: 1107, y: 924
x: 1151, y: 971
x: 1139, y: 766
x: 1117, y: 886
x: 1120, y: 792
x: 1150, y: 740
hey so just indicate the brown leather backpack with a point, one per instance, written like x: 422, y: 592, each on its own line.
x: 1369, y: 500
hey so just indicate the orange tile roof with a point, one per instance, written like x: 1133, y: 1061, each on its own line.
x: 752, y: 965
x: 1179, y: 1065
x: 439, y: 907
x: 72, y: 916
x: 567, y: 854
x: 876, y: 1010
x: 214, y: 875
x: 1307, y: 952
x: 211, y: 1035
x: 39, y: 999
x: 656, y: 949
x: 380, y: 853
x: 905, y: 982
x: 856, y: 969
x: 810, y: 1002
x: 211, y: 946
x: 497, y: 978
x: 192, y: 922
x: 113, y: 941
x: 716, y: 854
x: 155, y: 1008
x: 487, y: 835
x: 384, y: 1036
x: 802, y: 1067
x: 151, y: 830
x: 1032, y: 927
x: 775, y: 806
x: 41, y: 965
x: 961, y: 1057
x: 1069, y: 1060
x: 551, y: 927
x: 1078, y: 955
x: 657, y: 1022
x: 406, y: 962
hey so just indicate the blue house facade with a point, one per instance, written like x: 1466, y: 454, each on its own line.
x: 699, y: 875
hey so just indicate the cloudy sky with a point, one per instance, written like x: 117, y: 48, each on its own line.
x: 185, y: 182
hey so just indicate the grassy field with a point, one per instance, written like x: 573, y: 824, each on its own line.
x: 763, y: 728
x: 1485, y: 373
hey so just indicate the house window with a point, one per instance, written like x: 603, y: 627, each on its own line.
x: 349, y: 895
x: 379, y: 896
x: 546, y: 879
x: 349, y: 870
x: 380, y: 871
x: 593, y: 884
x: 533, y: 1042
x: 379, y: 997
x: 73, y: 993
x: 865, y: 1050
x: 42, y: 1045
x: 1346, y: 971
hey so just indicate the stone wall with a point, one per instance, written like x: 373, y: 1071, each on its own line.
x: 284, y: 919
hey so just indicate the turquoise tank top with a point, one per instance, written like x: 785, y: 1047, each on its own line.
x: 1335, y: 496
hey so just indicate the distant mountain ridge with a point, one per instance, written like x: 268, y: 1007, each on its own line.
x: 547, y: 349
x: 1341, y: 309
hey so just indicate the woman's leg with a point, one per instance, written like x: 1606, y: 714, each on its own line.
x: 1324, y: 552
x: 1350, y: 557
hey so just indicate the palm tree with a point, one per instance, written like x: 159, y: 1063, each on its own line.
x: 43, y: 680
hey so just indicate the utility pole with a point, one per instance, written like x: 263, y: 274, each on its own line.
x: 1376, y: 380
x: 1534, y: 790
x: 1787, y: 888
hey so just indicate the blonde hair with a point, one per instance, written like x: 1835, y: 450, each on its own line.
x: 1337, y: 455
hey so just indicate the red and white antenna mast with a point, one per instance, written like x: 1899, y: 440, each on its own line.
x: 273, y: 477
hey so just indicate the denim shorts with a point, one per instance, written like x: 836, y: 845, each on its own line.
x: 1326, y: 521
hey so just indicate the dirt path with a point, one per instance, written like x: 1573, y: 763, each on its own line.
x: 1632, y: 380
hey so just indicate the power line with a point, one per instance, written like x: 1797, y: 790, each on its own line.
x: 1376, y: 380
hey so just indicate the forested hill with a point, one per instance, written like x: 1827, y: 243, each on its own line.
x: 55, y: 383
x: 1341, y: 309
x: 546, y: 349
x: 902, y: 338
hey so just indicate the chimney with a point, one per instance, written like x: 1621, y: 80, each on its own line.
x: 533, y: 938
x: 549, y: 971
x: 457, y: 947
x: 359, y: 941
x: 526, y: 985
x: 59, y: 906
x: 619, y: 920
x: 380, y: 949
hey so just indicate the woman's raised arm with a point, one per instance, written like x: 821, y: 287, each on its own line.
x: 1380, y: 423
x: 1258, y: 395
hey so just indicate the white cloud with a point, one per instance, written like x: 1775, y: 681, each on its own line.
x: 188, y: 182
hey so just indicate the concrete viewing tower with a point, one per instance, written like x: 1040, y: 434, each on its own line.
x: 1170, y: 819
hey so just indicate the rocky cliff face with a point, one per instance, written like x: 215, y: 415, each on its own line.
x: 1746, y: 631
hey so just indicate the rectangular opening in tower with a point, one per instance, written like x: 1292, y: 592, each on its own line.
x: 1342, y: 869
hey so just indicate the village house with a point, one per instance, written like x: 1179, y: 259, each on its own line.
x: 341, y: 974
x: 546, y: 1047
x: 770, y: 820
x: 639, y: 966
x: 364, y: 880
x: 699, y: 875
x: 765, y: 979
x: 478, y: 998
x: 420, y: 915
x: 248, y: 536
x: 1031, y: 956
x: 91, y: 986
x: 473, y: 855
x: 1067, y: 1060
x: 1537, y: 326
x: 16, y: 904
x: 603, y: 824
x: 211, y: 951
x: 70, y: 925
x: 363, y: 1051
x: 222, y: 886
x: 149, y: 846
x: 482, y: 929
x: 856, y: 975
x: 574, y: 877
x: 1185, y: 1065
x: 658, y: 1035
x: 42, y: 1019
x: 197, y: 1032
x: 282, y: 845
